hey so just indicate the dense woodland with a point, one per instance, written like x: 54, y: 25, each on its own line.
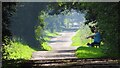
x: 104, y: 15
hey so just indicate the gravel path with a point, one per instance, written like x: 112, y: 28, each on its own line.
x: 61, y: 46
x: 63, y: 42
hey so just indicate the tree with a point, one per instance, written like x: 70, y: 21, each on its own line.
x: 106, y: 16
x: 8, y: 9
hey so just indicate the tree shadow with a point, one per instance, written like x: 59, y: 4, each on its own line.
x: 57, y: 41
x: 65, y: 51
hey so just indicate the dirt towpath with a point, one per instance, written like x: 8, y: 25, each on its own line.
x: 63, y: 42
x: 61, y: 46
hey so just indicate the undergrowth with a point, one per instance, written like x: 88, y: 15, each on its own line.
x: 16, y: 50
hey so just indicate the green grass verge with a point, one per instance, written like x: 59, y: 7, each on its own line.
x: 84, y: 51
x: 46, y: 46
x: 17, y: 50
x: 49, y: 34
x: 47, y: 38
x: 80, y: 39
x: 89, y: 52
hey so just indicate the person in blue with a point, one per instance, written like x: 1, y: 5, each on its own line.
x: 96, y: 37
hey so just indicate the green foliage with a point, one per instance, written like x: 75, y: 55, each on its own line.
x: 45, y: 30
x: 49, y: 34
x: 16, y: 50
x: 107, y: 18
x: 106, y: 14
x: 80, y: 38
x: 46, y: 46
x: 89, y: 52
x: 38, y: 32
x: 47, y: 37
x: 66, y: 22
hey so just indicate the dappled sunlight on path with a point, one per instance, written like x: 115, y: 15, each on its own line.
x: 63, y: 42
x: 61, y: 48
x: 59, y: 54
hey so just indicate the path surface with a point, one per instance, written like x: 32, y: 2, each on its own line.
x: 63, y: 42
x: 63, y: 54
x: 62, y: 48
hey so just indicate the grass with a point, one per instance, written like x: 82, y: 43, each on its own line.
x: 89, y: 52
x: 47, y: 37
x: 46, y: 46
x: 49, y: 34
x: 80, y: 39
x: 17, y: 50
x: 84, y: 51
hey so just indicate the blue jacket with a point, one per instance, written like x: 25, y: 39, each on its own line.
x: 97, y: 37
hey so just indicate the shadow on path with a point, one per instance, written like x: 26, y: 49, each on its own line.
x: 61, y: 46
